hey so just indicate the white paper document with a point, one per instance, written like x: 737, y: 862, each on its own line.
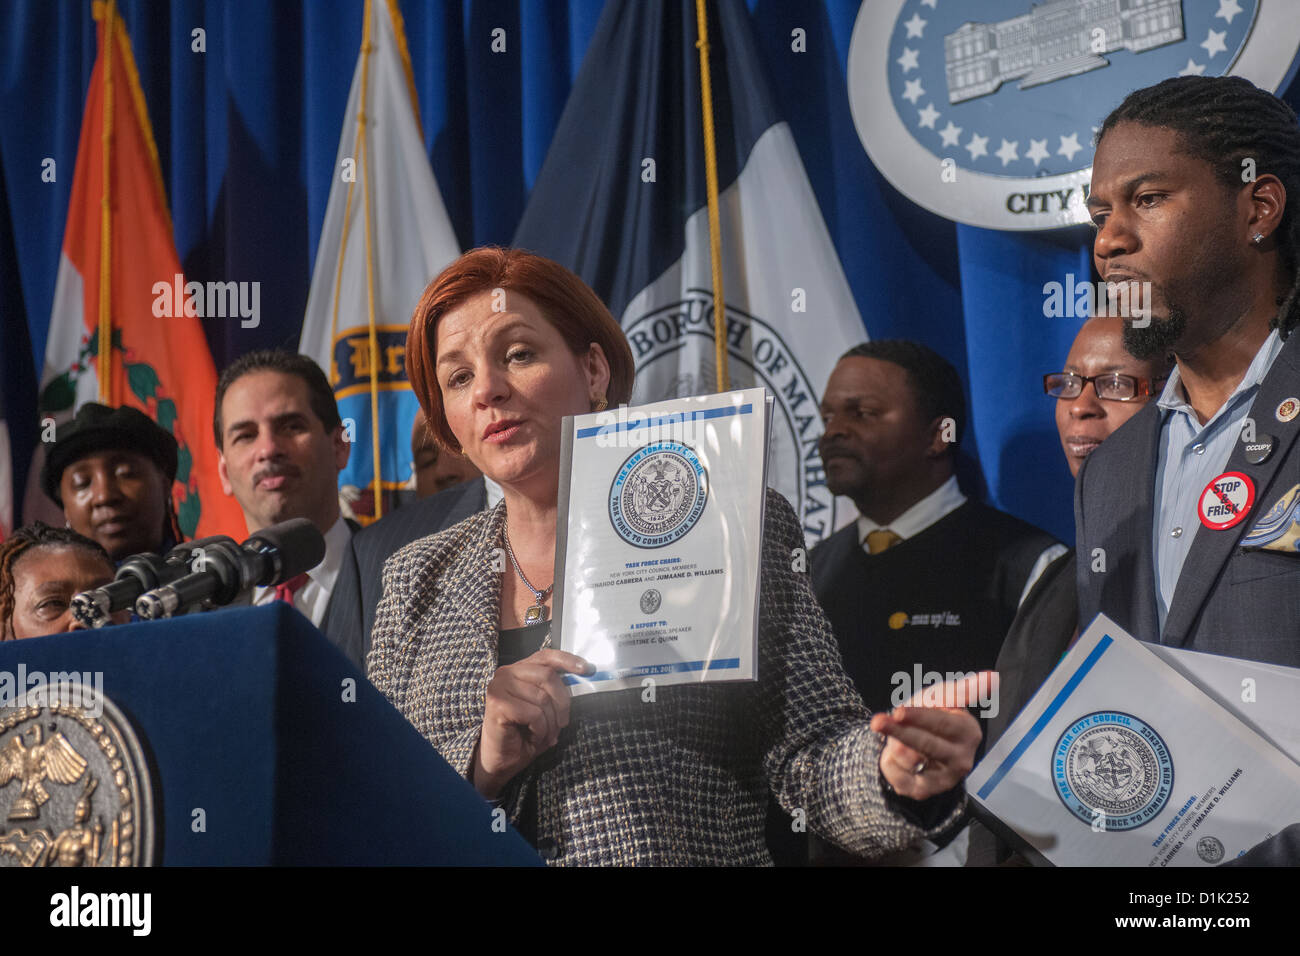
x: 1265, y: 696
x: 1121, y: 760
x: 661, y: 523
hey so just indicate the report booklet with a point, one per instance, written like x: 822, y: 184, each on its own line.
x: 659, y: 542
x: 1121, y: 760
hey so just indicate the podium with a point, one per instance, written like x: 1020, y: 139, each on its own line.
x: 268, y: 747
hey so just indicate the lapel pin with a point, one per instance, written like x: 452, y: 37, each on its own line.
x: 1257, y: 451
x: 1288, y: 409
x: 1226, y: 500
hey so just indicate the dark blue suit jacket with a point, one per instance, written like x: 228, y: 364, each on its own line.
x: 1227, y: 601
x: 351, y: 612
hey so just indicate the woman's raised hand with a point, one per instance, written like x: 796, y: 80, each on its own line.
x: 527, y: 707
x: 931, y: 747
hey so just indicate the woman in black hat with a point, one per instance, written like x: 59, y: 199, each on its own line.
x: 111, y: 470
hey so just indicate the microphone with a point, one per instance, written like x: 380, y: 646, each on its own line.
x: 285, y: 550
x: 271, y: 556
x: 135, y: 575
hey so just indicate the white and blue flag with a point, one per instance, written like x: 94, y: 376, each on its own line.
x: 621, y: 200
x: 381, y: 174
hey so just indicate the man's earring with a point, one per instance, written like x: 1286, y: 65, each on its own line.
x: 1257, y: 238
x: 601, y: 404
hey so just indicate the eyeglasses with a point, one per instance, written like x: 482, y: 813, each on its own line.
x: 1111, y: 387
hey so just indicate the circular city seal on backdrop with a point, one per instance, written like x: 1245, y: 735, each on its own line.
x: 673, y: 345
x: 1111, y: 767
x: 74, y: 785
x: 985, y: 112
x: 1209, y: 849
x: 658, y: 495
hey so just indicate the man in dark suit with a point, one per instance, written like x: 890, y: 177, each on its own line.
x: 359, y: 586
x: 282, y: 446
x: 436, y: 469
x: 1185, y: 517
x: 926, y: 582
x: 925, y: 575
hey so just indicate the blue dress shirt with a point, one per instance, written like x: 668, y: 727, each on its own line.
x: 1189, y: 455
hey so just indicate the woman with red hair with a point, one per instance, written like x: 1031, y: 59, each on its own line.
x: 502, y: 346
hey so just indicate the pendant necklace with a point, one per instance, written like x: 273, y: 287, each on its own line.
x: 535, y: 613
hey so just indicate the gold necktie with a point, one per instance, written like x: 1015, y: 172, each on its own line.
x: 881, y: 540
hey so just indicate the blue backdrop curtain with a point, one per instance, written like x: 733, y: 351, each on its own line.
x: 247, y: 133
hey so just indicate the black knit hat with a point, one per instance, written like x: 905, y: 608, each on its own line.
x: 100, y: 428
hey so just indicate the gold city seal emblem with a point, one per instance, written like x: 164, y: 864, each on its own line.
x: 74, y: 788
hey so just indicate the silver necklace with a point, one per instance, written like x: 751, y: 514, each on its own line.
x: 535, y: 612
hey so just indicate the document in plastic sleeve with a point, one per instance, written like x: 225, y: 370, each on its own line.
x: 660, y: 540
x: 1120, y: 760
x: 1265, y: 696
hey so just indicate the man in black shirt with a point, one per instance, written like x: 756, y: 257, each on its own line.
x: 924, y: 585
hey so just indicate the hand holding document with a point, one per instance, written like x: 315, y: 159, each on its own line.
x: 661, y: 528
x: 1121, y: 760
x: 932, y: 739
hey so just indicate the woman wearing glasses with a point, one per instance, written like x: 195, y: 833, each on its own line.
x: 1101, y: 387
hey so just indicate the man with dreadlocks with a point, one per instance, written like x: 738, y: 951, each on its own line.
x: 1186, y: 516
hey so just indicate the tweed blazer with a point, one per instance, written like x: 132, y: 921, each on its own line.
x: 682, y: 780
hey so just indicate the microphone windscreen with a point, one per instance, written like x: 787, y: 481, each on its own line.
x: 185, y: 550
x: 295, y: 545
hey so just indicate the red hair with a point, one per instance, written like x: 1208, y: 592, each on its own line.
x: 564, y: 300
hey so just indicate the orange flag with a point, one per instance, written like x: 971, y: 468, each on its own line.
x: 108, y: 341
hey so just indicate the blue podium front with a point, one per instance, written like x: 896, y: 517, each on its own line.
x: 268, y: 747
